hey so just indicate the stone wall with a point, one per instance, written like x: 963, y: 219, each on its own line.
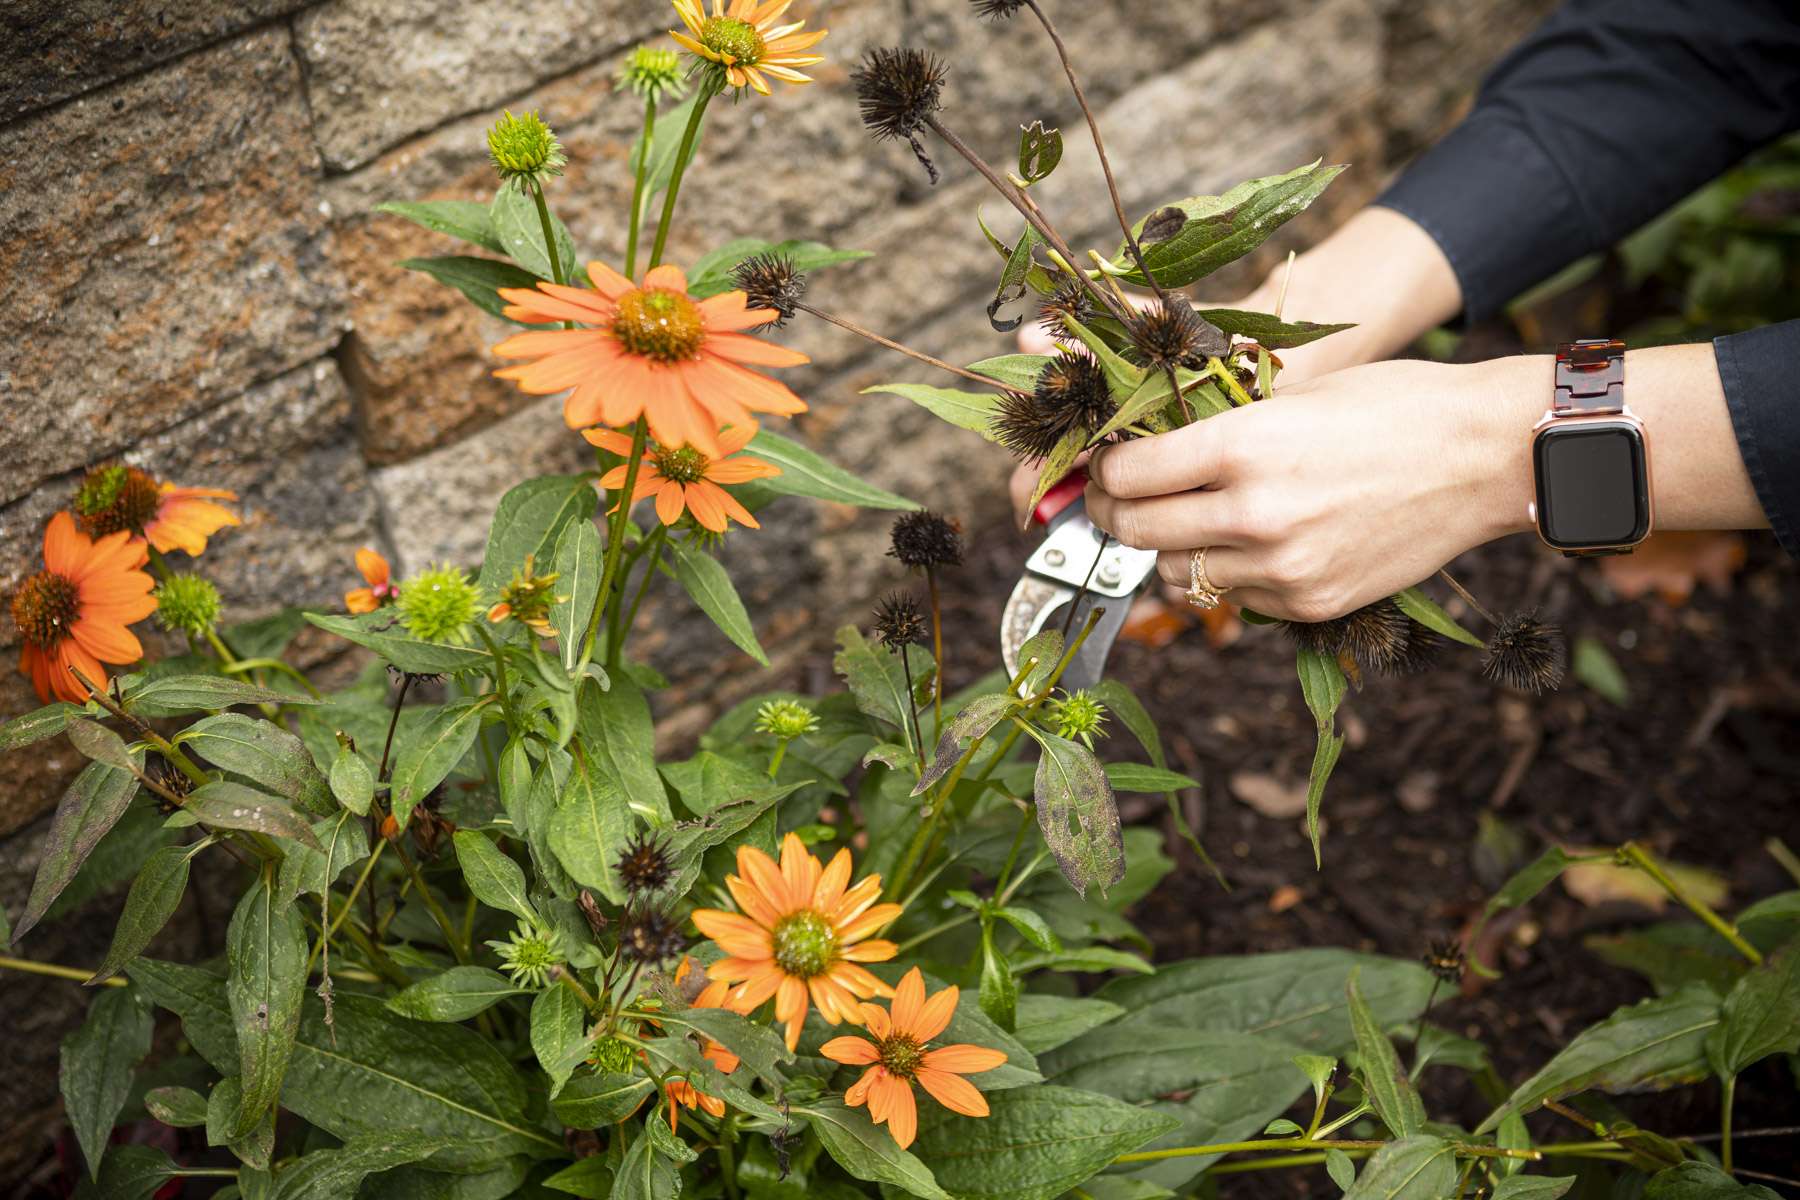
x: 195, y: 280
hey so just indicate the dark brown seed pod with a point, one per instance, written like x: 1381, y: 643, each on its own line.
x: 898, y: 90
x: 1171, y: 334
x: 649, y: 936
x: 1321, y: 637
x: 926, y: 539
x: 1377, y: 634
x: 996, y: 10
x: 644, y: 866
x: 770, y: 281
x: 1423, y: 645
x: 899, y: 623
x: 1069, y: 299
x: 1526, y: 653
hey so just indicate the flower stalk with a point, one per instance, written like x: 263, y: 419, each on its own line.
x: 709, y: 87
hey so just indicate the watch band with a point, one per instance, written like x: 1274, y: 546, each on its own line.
x: 1590, y: 377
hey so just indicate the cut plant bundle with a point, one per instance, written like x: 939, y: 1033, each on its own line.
x: 493, y: 939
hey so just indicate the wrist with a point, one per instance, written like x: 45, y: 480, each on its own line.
x: 1503, y: 400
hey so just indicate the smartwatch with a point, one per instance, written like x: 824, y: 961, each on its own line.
x: 1590, y: 460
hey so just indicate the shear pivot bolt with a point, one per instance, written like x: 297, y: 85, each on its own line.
x: 1109, y: 574
x: 1055, y: 557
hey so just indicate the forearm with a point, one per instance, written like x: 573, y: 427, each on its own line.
x: 1698, y: 480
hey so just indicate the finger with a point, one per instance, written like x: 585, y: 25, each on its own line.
x: 1227, y: 569
x: 1024, y: 478
x: 1178, y: 461
x: 1162, y: 522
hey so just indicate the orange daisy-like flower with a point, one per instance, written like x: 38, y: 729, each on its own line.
x: 896, y: 1056
x: 803, y: 931
x: 684, y: 479
x: 650, y: 350
x: 115, y: 497
x: 746, y: 42
x: 75, y: 611
x: 682, y: 1091
x: 379, y: 575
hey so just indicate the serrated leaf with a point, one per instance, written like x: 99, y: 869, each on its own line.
x: 578, y: 562
x: 1221, y: 229
x: 590, y: 1101
x: 1760, y: 1016
x: 1649, y: 1045
x: 529, y: 520
x: 477, y: 278
x: 973, y: 411
x: 709, y: 586
x: 266, y: 951
x: 226, y: 805
x: 1390, y: 1090
x: 95, y: 801
x: 333, y: 1174
x: 264, y: 753
x: 343, y: 840
x: 97, y: 742
x: 176, y: 695
x: 97, y: 1062
x: 453, y: 995
x: 804, y: 473
x: 1267, y: 331
x: 1423, y: 609
x: 493, y: 878
x: 154, y: 896
x: 1414, y: 1168
x: 620, y: 741
x: 427, y: 757
x: 875, y: 676
x: 977, y: 717
x: 589, y: 829
x: 646, y: 1173
x: 463, y: 219
x: 1046, y: 1022
x: 1078, y: 814
x: 129, y: 1173
x: 867, y: 1151
x: 514, y: 215
x: 382, y: 632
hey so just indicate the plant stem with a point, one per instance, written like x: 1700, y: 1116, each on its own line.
x: 349, y: 902
x: 912, y: 705
x: 615, y: 537
x: 1730, y: 1093
x: 240, y: 666
x: 622, y: 628
x: 1276, y: 1162
x: 1012, y: 853
x: 1636, y: 856
x: 1778, y: 850
x: 775, y: 758
x: 937, y: 651
x: 55, y: 971
x: 1300, y: 1143
x: 890, y: 344
x: 1082, y: 591
x: 708, y: 89
x: 1468, y: 599
x: 457, y: 948
x: 1219, y: 371
x: 645, y: 141
x: 557, y: 273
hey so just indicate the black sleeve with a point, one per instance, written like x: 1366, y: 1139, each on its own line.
x: 1606, y: 115
x: 1761, y: 373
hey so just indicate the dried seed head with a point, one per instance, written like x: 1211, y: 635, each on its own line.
x: 1070, y: 299
x: 770, y: 281
x: 114, y: 497
x: 1071, y: 395
x: 1026, y: 427
x: 1172, y: 334
x: 899, y: 90
x: 644, y: 866
x: 1377, y: 634
x: 1526, y: 653
x: 898, y: 622
x: 1445, y: 959
x: 1321, y: 637
x: 996, y: 10
x: 925, y: 539
x: 1420, y: 653
x: 649, y: 936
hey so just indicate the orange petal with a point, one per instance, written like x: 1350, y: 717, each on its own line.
x: 667, y: 276
x: 790, y: 1000
x: 759, y: 870
x: 868, y: 922
x: 704, y: 501
x: 832, y: 880
x: 859, y: 980
x: 953, y: 1092
x: 729, y: 312
x: 858, y: 1092
x: 872, y: 950
x: 742, y: 348
x: 360, y: 600
x: 858, y: 898
x: 908, y: 998
x: 669, y: 502
x: 964, y: 1059
x: 752, y: 902
x: 609, y: 440
x: 373, y: 566
x: 903, y: 1114
x: 107, y: 642
x: 738, y: 936
x: 853, y: 1051
x: 64, y: 546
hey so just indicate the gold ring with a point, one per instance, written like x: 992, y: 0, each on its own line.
x: 1202, y: 593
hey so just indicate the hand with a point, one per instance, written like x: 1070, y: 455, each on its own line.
x: 1338, y: 491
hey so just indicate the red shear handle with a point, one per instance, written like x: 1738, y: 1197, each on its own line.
x: 1065, y: 492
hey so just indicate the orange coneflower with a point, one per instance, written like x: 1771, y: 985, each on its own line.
x: 802, y: 931
x: 650, y: 350
x: 682, y: 1091
x: 896, y: 1058
x: 746, y: 42
x: 686, y: 479
x: 115, y: 497
x: 381, y: 589
x: 74, y: 613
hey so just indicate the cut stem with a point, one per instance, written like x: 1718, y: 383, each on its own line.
x: 890, y: 344
x: 1468, y: 599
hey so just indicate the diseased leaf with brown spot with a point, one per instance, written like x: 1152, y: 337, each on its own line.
x: 1078, y: 814
x: 266, y: 951
x: 226, y: 805
x: 977, y: 717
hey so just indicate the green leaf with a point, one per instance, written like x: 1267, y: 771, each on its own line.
x: 690, y: 840
x: 1136, y: 777
x: 591, y: 1177
x: 1031, y: 926
x: 1761, y: 1015
x: 973, y: 411
x: 1036, y: 1143
x: 1057, y: 464
x: 426, y: 758
x: 175, y: 695
x: 129, y: 1173
x: 665, y: 141
x: 371, y: 1072
x: 1091, y: 959
x: 454, y: 995
x: 1017, y: 371
x: 999, y: 994
x: 493, y: 878
x: 352, y: 781
x: 683, y: 1057
x: 1318, y: 1069
x: 265, y: 754
x: 1037, y: 659
x: 154, y: 896
x: 36, y: 725
x: 876, y: 678
x: 707, y: 583
x: 423, y: 1183
x: 382, y: 632
x: 759, y: 1047
x: 590, y: 828
x: 266, y: 950
x: 530, y: 520
x: 1414, y: 1168
x: 1221, y: 229
x: 620, y: 741
x: 1322, y: 684
x: 97, y: 742
x: 343, y: 841
x: 1389, y: 1088
x: 804, y: 473
x: 333, y: 1174
x: 1533, y: 1187
x: 579, y: 558
x: 1340, y: 1168
x: 590, y: 1101
x: 1423, y: 609
x: 1649, y: 1045
x: 558, y: 1027
x: 1123, y: 378
x: 1040, y: 150
x: 1702, y: 1181
x: 95, y: 801
x: 1012, y: 278
x: 463, y: 219
x: 977, y: 717
x: 1077, y: 813
x: 1270, y: 332
x: 867, y: 1151
x: 97, y: 1062
x: 1594, y: 665
x: 176, y: 1107
x: 708, y: 780
x: 711, y: 273
x: 1325, y: 756
x: 226, y: 805
x: 1046, y: 1022
x: 477, y: 278
x: 1295, y: 995
x: 514, y: 214
x: 646, y: 1174
x: 1152, y: 394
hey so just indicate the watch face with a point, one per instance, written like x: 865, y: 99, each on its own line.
x: 1593, y: 488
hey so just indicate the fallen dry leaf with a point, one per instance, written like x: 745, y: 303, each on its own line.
x: 1269, y: 795
x: 1284, y: 898
x: 1418, y: 791
x: 1671, y: 564
x: 1602, y: 883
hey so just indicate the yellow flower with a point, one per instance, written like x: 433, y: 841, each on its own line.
x: 802, y: 932
x: 746, y: 42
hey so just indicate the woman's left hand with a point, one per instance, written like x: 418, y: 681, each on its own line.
x: 1338, y: 491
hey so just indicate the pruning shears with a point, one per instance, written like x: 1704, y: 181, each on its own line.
x: 1075, y: 565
